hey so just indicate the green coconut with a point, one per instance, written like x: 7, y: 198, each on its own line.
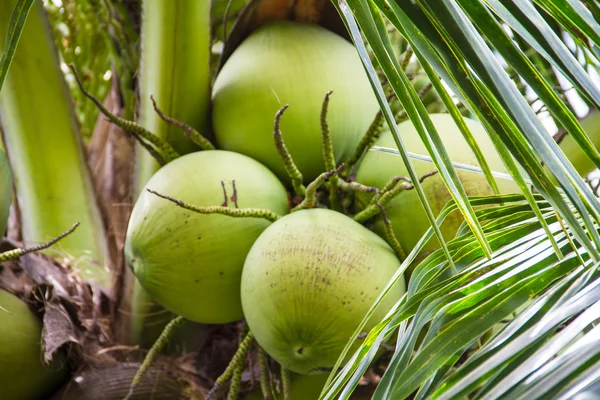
x: 6, y: 191
x: 292, y: 63
x: 23, y: 375
x: 405, y: 211
x: 307, y: 283
x: 191, y: 263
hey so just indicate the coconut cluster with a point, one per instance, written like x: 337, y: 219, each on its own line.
x: 220, y: 235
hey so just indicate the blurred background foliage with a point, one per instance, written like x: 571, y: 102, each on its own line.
x: 101, y: 39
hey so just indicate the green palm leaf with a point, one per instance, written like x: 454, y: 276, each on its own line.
x: 543, y: 248
x: 15, y: 27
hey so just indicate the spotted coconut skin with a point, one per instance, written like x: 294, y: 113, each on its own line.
x: 191, y: 263
x: 405, y: 211
x: 307, y: 283
x: 293, y: 63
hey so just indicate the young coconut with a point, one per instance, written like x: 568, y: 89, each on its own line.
x: 23, y: 375
x: 191, y: 263
x: 307, y: 283
x: 292, y: 63
x: 405, y: 211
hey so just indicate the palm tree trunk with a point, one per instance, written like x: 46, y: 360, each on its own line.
x: 175, y: 70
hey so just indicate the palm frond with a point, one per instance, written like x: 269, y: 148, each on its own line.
x: 455, y: 313
x: 538, y: 255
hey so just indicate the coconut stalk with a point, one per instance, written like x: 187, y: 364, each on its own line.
x: 175, y: 71
x: 46, y: 153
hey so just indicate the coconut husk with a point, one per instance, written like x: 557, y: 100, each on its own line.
x: 77, y: 331
x: 111, y: 381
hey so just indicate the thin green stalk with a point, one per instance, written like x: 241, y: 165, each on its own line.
x: 406, y: 59
x: 188, y: 131
x: 231, y: 212
x: 374, y: 208
x: 389, y: 232
x: 236, y: 380
x: 365, y: 143
x: 356, y: 187
x: 19, y: 252
x: 238, y: 359
x: 285, y: 383
x: 265, y: 380
x: 46, y: 153
x: 328, y: 156
x: 160, y: 343
x: 154, y: 144
x: 394, y: 187
x: 288, y: 162
x: 311, y: 190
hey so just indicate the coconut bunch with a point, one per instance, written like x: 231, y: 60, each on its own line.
x: 286, y: 220
x: 273, y: 224
x: 282, y: 226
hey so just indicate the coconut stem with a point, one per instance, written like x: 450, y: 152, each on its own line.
x: 188, y: 131
x: 16, y: 253
x: 167, y: 153
x: 236, y: 379
x: 237, y: 360
x: 401, y: 116
x: 328, y: 156
x: 288, y: 162
x: 152, y: 151
x: 406, y: 59
x: 425, y: 90
x: 357, y: 187
x: 264, y: 374
x: 365, y: 143
x: 156, y: 348
x: 311, y: 191
x: 374, y: 207
x: 391, y: 189
x: 326, y: 135
x: 231, y: 212
x: 392, y: 183
x: 285, y: 380
x: 389, y: 233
